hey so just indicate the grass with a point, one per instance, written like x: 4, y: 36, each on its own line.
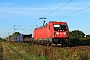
x: 1, y: 52
x: 37, y: 52
x: 23, y: 51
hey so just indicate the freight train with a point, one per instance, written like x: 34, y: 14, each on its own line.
x: 52, y: 33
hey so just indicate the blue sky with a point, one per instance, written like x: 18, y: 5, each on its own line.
x: 25, y: 14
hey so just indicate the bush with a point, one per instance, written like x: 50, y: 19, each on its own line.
x: 74, y: 41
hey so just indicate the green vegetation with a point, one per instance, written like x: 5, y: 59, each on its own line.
x: 22, y: 49
x: 76, y: 34
x: 0, y: 39
x: 29, y: 51
x: 77, y: 37
x: 14, y: 34
x: 1, y: 52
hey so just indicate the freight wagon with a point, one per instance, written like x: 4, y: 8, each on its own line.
x: 20, y: 38
x: 24, y: 38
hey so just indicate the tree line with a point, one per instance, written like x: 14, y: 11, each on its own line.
x: 78, y: 37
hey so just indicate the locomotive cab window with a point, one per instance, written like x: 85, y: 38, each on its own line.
x: 59, y: 27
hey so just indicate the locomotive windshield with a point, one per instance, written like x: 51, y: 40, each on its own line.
x: 60, y: 27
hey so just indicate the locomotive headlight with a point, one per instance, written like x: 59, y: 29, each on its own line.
x: 65, y: 33
x: 57, y: 33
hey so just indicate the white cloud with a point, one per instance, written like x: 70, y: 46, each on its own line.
x: 6, y: 3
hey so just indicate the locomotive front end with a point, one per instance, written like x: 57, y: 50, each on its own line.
x: 61, y: 33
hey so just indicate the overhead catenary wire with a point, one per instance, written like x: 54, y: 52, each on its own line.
x: 39, y: 7
x: 37, y: 11
x: 17, y: 27
x: 50, y: 8
x: 83, y: 3
x: 75, y: 12
x: 59, y: 8
x: 53, y: 5
x: 56, y: 9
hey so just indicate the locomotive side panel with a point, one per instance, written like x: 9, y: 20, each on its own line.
x: 40, y: 33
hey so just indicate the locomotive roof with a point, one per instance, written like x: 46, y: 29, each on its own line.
x: 41, y: 26
x: 49, y: 23
x: 56, y: 22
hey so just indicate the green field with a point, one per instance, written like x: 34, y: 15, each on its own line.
x: 27, y: 51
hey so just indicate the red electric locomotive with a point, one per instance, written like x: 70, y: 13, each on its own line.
x: 52, y: 33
